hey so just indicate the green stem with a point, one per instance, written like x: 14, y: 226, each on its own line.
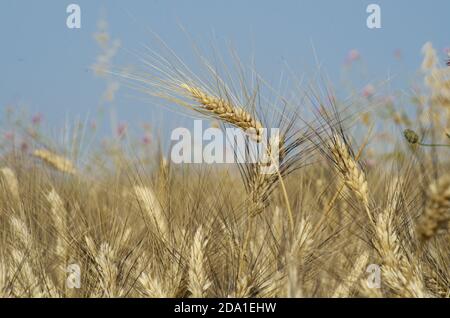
x: 433, y: 145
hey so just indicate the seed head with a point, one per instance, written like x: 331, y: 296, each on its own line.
x: 411, y: 136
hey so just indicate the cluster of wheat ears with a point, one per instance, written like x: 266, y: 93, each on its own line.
x: 311, y: 229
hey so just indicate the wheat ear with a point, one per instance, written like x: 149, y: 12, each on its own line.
x: 21, y: 257
x: 400, y: 274
x: 352, y: 175
x: 107, y: 265
x: 152, y: 286
x: 298, y: 252
x: 11, y: 182
x: 260, y: 183
x: 153, y: 208
x: 4, y: 277
x: 226, y: 111
x: 344, y: 289
x: 198, y: 278
x: 59, y: 216
x: 56, y: 161
x: 436, y: 215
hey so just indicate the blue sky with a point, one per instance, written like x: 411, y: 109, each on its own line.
x: 44, y: 66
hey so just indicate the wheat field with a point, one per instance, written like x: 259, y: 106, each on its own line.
x: 339, y: 217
